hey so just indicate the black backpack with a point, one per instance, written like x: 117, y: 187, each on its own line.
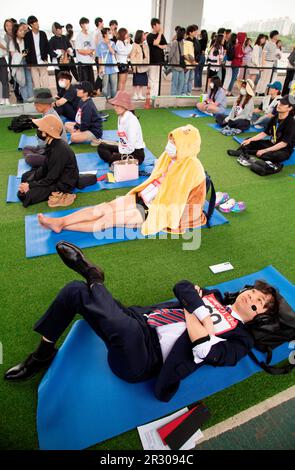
x: 212, y: 200
x: 270, y: 333
x: 21, y: 123
x: 265, y: 168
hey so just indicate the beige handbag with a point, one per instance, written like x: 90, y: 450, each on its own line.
x: 126, y: 169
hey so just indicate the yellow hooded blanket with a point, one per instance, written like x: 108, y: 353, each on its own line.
x: 186, y: 174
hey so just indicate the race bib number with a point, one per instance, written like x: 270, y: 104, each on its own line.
x: 123, y: 139
x: 222, y: 320
x: 78, y: 116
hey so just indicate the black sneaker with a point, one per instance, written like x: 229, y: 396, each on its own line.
x: 235, y: 153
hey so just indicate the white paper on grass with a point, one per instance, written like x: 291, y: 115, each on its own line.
x: 151, y: 439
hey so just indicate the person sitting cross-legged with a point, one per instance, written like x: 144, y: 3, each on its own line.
x: 88, y: 124
x: 280, y: 146
x: 59, y: 172
x: 167, y: 341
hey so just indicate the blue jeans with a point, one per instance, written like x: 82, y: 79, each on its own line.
x: 177, y: 82
x: 199, y: 71
x: 235, y: 73
x: 26, y: 91
x: 109, y: 85
x: 188, y: 81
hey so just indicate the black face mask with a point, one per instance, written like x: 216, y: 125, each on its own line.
x: 40, y: 135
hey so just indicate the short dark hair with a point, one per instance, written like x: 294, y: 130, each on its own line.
x: 31, y: 19
x: 180, y: 34
x: 273, y: 33
x: 105, y: 31
x: 191, y: 28
x: 155, y: 21
x: 138, y: 36
x: 227, y: 31
x: 272, y: 305
x: 97, y: 21
x: 221, y: 31
x: 83, y: 20
x: 66, y: 75
x: 112, y: 22
x: 122, y: 33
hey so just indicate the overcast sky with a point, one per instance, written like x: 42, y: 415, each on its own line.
x: 135, y: 14
x: 220, y: 12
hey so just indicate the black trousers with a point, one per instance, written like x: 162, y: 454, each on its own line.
x: 39, y: 193
x: 289, y: 77
x: 110, y: 153
x: 242, y: 124
x: 86, y: 73
x: 134, y: 352
x: 275, y: 157
x: 66, y: 110
x: 4, y: 92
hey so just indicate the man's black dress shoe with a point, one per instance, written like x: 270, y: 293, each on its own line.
x: 28, y: 368
x: 73, y: 257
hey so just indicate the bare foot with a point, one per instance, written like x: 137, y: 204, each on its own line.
x: 50, y: 223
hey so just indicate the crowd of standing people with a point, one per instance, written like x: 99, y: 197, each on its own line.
x: 106, y: 56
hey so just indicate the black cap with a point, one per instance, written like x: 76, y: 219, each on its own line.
x: 86, y: 87
x: 289, y: 100
x: 32, y: 19
x: 58, y: 25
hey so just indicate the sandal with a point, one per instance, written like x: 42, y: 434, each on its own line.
x: 221, y: 198
x: 228, y: 205
x: 239, y: 206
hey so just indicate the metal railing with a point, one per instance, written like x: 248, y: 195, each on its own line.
x: 161, y: 65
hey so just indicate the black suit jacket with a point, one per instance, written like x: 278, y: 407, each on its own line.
x: 31, y: 58
x: 180, y: 361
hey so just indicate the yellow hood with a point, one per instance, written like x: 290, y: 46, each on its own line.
x: 183, y: 176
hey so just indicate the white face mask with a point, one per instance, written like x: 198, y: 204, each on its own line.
x: 211, y: 86
x: 62, y: 84
x: 243, y: 91
x: 170, y: 149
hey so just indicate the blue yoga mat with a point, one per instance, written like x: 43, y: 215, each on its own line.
x: 31, y: 140
x: 14, y: 182
x: 218, y: 128
x: 290, y: 161
x: 187, y: 113
x: 40, y: 241
x: 81, y: 402
x: 91, y: 161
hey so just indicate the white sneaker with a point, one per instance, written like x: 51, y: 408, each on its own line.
x: 135, y: 97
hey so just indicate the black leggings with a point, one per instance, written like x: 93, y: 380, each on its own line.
x: 242, y: 124
x: 275, y: 157
x: 110, y: 153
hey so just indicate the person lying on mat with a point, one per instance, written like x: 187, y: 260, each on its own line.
x: 59, y: 172
x: 280, y: 146
x: 171, y: 199
x: 215, y: 103
x: 88, y: 124
x: 67, y: 102
x: 168, y: 341
x: 242, y: 110
x: 43, y: 102
x: 129, y: 133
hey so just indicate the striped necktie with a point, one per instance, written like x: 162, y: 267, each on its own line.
x: 165, y: 316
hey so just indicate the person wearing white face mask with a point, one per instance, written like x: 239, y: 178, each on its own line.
x: 215, y: 103
x: 242, y: 110
x: 67, y: 101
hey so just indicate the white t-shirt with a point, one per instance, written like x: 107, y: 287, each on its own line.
x: 122, y: 50
x: 36, y: 38
x: 129, y: 133
x: 85, y: 41
x: 3, y: 52
x: 21, y: 44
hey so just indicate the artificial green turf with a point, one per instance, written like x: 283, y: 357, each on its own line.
x: 262, y: 235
